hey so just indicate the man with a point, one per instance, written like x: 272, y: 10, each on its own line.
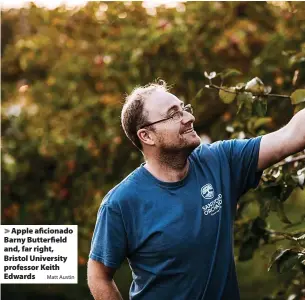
x: 173, y: 216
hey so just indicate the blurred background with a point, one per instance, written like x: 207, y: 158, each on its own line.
x: 66, y: 68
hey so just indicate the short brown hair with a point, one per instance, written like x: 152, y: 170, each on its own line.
x: 133, y: 115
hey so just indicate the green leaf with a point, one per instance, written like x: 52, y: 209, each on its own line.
x: 229, y: 72
x: 244, y: 97
x: 255, y: 86
x: 299, y: 178
x: 276, y: 256
x: 281, y: 213
x: 288, y: 262
x: 298, y: 58
x: 302, y: 237
x: 248, y: 247
x: 286, y: 192
x: 299, y: 107
x: 258, y: 226
x: 298, y: 96
x: 260, y: 108
x: 199, y: 94
x: 244, y: 102
x: 285, y: 259
x: 227, y: 97
x: 262, y: 121
x: 264, y: 208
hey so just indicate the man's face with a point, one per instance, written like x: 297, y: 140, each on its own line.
x: 169, y: 135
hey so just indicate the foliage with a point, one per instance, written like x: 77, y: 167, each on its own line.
x: 278, y: 181
x: 64, y: 77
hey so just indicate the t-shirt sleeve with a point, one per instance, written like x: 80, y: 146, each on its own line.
x: 243, y: 160
x: 109, y: 241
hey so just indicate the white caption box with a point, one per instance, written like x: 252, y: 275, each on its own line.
x: 38, y: 254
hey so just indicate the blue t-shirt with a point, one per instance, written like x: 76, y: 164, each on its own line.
x: 178, y: 236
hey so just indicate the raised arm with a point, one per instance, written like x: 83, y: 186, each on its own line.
x: 279, y: 144
x: 101, y: 283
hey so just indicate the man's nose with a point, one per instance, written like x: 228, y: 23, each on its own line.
x: 187, y: 117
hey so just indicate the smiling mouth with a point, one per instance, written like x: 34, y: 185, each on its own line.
x: 188, y: 131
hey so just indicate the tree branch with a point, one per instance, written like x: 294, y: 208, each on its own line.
x: 239, y: 92
x: 285, y: 162
x: 276, y: 95
x: 278, y: 236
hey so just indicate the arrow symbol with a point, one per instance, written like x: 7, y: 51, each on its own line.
x: 6, y: 230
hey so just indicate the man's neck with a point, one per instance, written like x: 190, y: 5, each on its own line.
x: 169, y: 171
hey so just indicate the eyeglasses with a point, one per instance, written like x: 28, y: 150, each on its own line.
x: 175, y: 117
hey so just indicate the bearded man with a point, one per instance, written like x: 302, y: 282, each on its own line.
x: 172, y: 217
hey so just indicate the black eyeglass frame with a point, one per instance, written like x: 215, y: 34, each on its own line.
x: 188, y: 108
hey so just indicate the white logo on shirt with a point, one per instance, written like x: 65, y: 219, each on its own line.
x: 207, y: 191
x: 213, y: 207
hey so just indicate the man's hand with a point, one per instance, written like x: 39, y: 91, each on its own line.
x: 101, y: 283
x: 288, y: 140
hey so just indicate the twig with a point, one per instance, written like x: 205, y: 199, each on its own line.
x: 276, y: 95
x: 239, y: 92
x: 283, y: 235
x: 220, y: 88
x: 285, y: 162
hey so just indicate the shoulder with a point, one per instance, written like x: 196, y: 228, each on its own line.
x: 208, y: 151
x: 226, y: 147
x: 121, y: 193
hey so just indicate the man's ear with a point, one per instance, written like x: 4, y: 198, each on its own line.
x: 145, y: 136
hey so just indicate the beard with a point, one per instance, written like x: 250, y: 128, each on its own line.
x: 176, y: 153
